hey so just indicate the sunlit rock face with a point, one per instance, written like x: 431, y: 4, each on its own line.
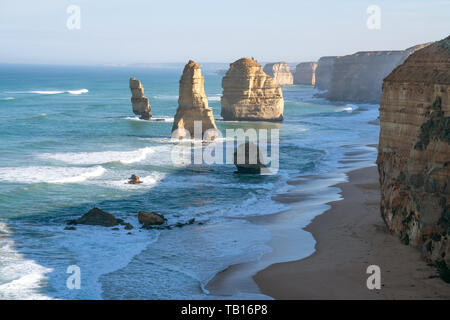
x: 193, y: 106
x: 359, y: 77
x: 139, y: 102
x: 281, y: 73
x: 414, y: 151
x: 250, y: 94
x: 305, y: 73
x: 324, y: 71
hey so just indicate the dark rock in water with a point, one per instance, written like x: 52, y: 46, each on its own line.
x: 70, y: 228
x: 128, y: 226
x: 191, y: 221
x: 134, y: 179
x: 248, y: 158
x: 150, y: 218
x: 115, y: 229
x: 97, y: 217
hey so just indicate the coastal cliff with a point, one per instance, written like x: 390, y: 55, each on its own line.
x: 193, y: 105
x: 249, y: 94
x: 414, y: 152
x: 305, y: 73
x: 358, y: 77
x: 324, y: 71
x: 281, y: 72
x: 139, y: 102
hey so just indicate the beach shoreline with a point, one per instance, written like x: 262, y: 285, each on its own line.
x: 350, y: 236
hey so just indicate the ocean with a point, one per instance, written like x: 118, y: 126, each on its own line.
x: 69, y: 141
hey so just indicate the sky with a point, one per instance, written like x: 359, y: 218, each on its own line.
x: 117, y: 32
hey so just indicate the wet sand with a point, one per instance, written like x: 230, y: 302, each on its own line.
x: 350, y: 237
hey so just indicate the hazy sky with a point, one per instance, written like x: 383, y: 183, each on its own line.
x: 132, y: 31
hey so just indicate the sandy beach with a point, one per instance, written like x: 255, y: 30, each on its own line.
x: 350, y: 237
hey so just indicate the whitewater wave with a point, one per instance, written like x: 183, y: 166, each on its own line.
x: 48, y: 174
x: 348, y: 108
x: 152, y: 119
x: 164, y: 97
x: 78, y: 91
x: 53, y: 92
x: 7, y: 99
x: 20, y: 278
x: 100, y: 157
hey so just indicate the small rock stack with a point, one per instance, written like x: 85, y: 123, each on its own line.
x: 140, y: 103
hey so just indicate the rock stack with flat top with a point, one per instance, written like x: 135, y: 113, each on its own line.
x: 249, y: 94
x: 193, y: 106
x: 280, y: 72
x: 140, y: 103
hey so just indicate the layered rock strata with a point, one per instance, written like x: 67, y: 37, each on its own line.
x: 249, y: 94
x: 324, y: 71
x: 358, y: 77
x: 193, y: 106
x: 140, y: 103
x: 305, y: 73
x: 414, y: 152
x: 281, y: 73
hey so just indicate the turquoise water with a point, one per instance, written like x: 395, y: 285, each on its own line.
x: 69, y: 141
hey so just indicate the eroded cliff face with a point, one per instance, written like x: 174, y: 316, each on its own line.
x: 305, y: 73
x: 281, y: 73
x: 414, y: 152
x: 139, y: 102
x: 250, y: 94
x: 359, y: 77
x: 193, y: 106
x: 324, y: 71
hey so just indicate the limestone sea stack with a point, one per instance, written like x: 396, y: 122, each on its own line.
x: 140, y: 103
x: 249, y: 94
x: 358, y: 77
x: 305, y: 73
x: 324, y: 71
x: 414, y: 152
x: 281, y: 72
x: 193, y: 105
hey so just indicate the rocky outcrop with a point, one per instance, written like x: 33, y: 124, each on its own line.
x: 324, y: 71
x: 150, y: 218
x: 414, y: 152
x: 250, y: 94
x: 281, y: 72
x: 193, y: 105
x: 305, y: 73
x: 134, y: 179
x: 97, y: 217
x: 358, y: 77
x: 140, y: 103
x: 248, y: 159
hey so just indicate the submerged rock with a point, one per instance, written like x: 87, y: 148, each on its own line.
x: 414, y: 152
x: 97, y: 217
x: 248, y: 159
x: 150, y: 218
x: 193, y: 106
x: 305, y: 73
x: 134, y: 179
x: 249, y: 94
x: 140, y: 103
x: 280, y: 72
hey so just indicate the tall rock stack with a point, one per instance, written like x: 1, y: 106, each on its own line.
x: 281, y: 72
x: 305, y: 73
x: 414, y: 152
x: 193, y: 105
x: 324, y: 71
x: 140, y: 103
x: 249, y: 94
